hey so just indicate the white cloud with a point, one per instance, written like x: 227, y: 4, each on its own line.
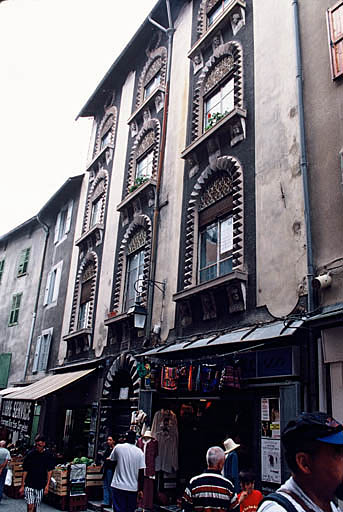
x: 53, y: 55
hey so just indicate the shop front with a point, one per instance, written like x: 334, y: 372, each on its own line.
x: 244, y: 384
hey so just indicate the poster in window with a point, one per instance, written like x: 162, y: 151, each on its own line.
x: 270, y: 461
x: 270, y: 418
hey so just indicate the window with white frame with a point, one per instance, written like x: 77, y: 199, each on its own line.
x: 215, y: 249
x: 41, y: 357
x: 106, y: 132
x: 85, y: 297
x: 15, y: 308
x: 220, y: 103
x: 134, y: 277
x: 144, y: 166
x: 63, y: 222
x: 217, y: 11
x: 152, y: 85
x: 53, y: 284
x: 96, y: 212
x: 23, y: 262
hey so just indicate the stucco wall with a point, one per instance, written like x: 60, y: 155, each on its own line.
x: 172, y: 184
x: 113, y: 217
x: 280, y: 230
x: 324, y: 129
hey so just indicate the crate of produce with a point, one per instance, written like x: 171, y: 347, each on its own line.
x: 59, y: 482
x: 16, y: 466
x: 77, y: 503
x: 94, y: 483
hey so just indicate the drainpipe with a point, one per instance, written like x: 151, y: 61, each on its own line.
x: 303, y: 160
x: 169, y: 32
x: 34, y: 314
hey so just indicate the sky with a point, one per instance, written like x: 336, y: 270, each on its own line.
x: 53, y: 55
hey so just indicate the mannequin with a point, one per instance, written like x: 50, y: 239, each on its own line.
x: 149, y: 445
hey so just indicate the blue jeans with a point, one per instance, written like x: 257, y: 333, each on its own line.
x: 124, y: 501
x: 2, y: 481
x: 108, y: 475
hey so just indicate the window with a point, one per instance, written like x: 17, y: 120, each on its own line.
x: 145, y: 166
x: 23, y: 262
x: 83, y: 315
x: 134, y: 275
x: 216, y: 243
x: 96, y: 212
x: 217, y: 11
x: 63, y: 222
x: 86, y: 296
x: 152, y: 85
x: 335, y: 27
x: 14, y: 314
x: 219, y: 104
x: 41, y: 357
x: 2, y: 265
x: 105, y: 139
x: 106, y: 131
x: 53, y: 284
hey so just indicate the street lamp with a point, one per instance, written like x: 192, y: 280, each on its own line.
x: 139, y: 313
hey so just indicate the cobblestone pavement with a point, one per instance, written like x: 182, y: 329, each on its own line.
x: 10, y: 505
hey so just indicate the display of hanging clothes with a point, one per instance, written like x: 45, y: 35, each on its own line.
x: 138, y: 424
x: 209, y: 377
x: 230, y: 378
x: 165, y: 430
x: 149, y: 445
x: 169, y: 377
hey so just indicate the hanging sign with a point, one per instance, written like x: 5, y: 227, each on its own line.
x: 17, y: 415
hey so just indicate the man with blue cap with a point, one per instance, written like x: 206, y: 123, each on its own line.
x: 313, y: 444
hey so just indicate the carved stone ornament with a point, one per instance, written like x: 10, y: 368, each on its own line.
x: 146, y: 116
x: 198, y: 62
x: 211, y: 3
x: 218, y: 189
x: 138, y: 241
x: 88, y: 272
x: 193, y: 165
x: 236, y: 299
x: 208, y: 306
x: 108, y: 155
x: 185, y: 314
x: 146, y: 143
x: 217, y: 41
x: 134, y: 128
x: 219, y: 72
x: 237, y: 132
x: 99, y: 190
x: 237, y: 20
x: 136, y: 205
x: 159, y: 102
x: 153, y: 70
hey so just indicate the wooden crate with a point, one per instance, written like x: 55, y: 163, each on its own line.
x: 77, y: 503
x: 94, y: 483
x: 17, y: 471
x: 61, y: 477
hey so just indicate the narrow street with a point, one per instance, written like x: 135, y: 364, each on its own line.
x: 11, y: 505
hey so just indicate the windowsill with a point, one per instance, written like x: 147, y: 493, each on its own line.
x: 218, y: 24
x: 131, y: 195
x: 13, y: 325
x: 59, y: 242
x: 117, y: 318
x: 51, y: 304
x: 146, y: 102
x: 22, y: 275
x: 98, y: 156
x: 78, y: 333
x: 224, y: 123
x: 92, y: 231
x: 189, y: 292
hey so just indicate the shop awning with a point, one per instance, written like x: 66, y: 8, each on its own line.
x: 6, y: 391
x: 248, y: 334
x: 47, y: 385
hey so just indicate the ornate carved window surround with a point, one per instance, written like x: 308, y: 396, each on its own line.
x: 235, y: 118
x: 78, y: 343
x: 157, y: 63
x: 206, y: 33
x: 147, y: 102
x: 236, y: 276
x: 101, y: 158
x: 92, y: 238
x: 104, y: 127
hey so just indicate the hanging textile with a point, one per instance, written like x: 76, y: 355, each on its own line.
x: 165, y: 430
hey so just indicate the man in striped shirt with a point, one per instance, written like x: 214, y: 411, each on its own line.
x: 210, y: 491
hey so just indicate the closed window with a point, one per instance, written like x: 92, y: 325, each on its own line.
x: 15, y: 307
x: 105, y: 139
x: 63, y: 222
x: 152, y: 85
x: 217, y: 11
x: 41, y: 358
x: 53, y: 284
x: 145, y: 166
x: 85, y: 299
x: 84, y: 315
x: 23, y: 262
x: 216, y: 243
x: 335, y: 27
x: 2, y: 266
x: 218, y: 104
x: 134, y: 277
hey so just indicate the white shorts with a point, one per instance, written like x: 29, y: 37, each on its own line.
x: 33, y: 496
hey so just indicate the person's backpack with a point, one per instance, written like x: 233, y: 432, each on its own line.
x: 280, y: 499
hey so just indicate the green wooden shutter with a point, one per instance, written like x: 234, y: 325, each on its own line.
x: 5, y: 365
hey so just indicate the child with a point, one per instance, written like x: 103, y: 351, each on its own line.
x: 249, y: 498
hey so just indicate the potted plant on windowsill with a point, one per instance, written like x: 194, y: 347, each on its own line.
x: 138, y: 182
x: 212, y: 119
x: 111, y: 314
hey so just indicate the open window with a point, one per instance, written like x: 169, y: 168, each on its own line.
x: 335, y: 28
x: 23, y: 262
x: 219, y: 103
x: 53, y: 284
x: 63, y: 222
x: 41, y: 357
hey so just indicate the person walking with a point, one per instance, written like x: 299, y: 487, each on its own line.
x: 313, y: 444
x: 210, y: 490
x: 108, y: 469
x: 5, y: 457
x: 37, y: 468
x: 128, y: 479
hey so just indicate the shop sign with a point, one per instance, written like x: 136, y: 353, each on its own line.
x: 17, y: 415
x: 270, y: 440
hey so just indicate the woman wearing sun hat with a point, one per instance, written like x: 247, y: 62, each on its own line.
x: 230, y: 469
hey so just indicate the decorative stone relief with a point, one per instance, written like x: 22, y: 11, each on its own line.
x: 107, y: 123
x: 193, y: 164
x: 236, y: 298
x: 146, y: 143
x: 137, y: 241
x: 223, y: 67
x: 237, y: 131
x: 134, y: 128
x: 157, y: 63
x: 136, y: 205
x: 208, y: 306
x: 185, y: 313
x: 151, y: 197
x: 159, y: 102
x: 219, y: 188
x: 237, y: 20
x: 99, y: 187
x: 198, y: 62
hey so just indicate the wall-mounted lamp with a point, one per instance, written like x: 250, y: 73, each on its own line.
x: 139, y: 313
x: 322, y: 281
